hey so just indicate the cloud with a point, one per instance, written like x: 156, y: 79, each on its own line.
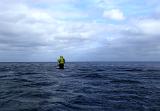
x: 149, y: 27
x: 137, y: 40
x: 28, y: 32
x: 114, y: 14
x: 35, y: 31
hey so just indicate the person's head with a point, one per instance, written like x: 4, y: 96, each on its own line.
x: 61, y: 56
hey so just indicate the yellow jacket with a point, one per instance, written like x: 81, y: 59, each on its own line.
x: 61, y: 60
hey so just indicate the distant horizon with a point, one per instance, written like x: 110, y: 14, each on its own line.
x: 70, y: 61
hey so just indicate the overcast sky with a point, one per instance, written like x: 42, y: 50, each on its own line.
x: 80, y: 30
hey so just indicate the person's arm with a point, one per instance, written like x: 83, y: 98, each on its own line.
x: 58, y: 60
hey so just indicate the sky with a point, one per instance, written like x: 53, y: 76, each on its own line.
x: 80, y: 30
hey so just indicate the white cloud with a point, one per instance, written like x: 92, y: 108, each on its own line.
x: 47, y: 32
x: 149, y: 27
x: 114, y: 14
x: 29, y: 28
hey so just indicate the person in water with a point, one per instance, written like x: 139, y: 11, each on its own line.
x: 61, y: 62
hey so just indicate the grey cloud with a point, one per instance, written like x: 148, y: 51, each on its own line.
x: 26, y: 36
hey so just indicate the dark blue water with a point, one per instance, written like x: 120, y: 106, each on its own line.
x: 80, y: 87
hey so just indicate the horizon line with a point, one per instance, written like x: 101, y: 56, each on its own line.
x: 66, y: 61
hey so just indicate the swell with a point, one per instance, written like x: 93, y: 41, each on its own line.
x: 79, y: 87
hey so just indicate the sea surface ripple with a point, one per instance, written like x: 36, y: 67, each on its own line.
x: 83, y: 86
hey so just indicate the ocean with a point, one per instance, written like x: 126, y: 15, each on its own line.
x: 81, y: 86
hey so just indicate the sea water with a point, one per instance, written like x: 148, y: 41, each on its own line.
x: 83, y: 86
